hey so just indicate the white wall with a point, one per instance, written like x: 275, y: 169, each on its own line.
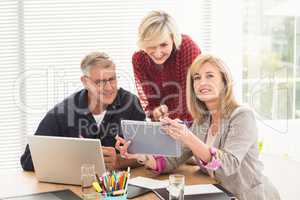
x: 227, y: 39
x: 223, y: 38
x: 280, y: 137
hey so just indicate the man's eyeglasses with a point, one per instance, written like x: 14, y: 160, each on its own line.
x: 103, y: 82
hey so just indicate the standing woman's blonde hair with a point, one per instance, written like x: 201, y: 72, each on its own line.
x: 196, y: 107
x: 157, y: 24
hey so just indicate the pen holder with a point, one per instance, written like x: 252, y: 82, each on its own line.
x: 120, y: 197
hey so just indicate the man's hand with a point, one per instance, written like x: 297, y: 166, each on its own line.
x: 110, y: 158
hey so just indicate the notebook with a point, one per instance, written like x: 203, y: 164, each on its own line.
x: 148, y: 138
x: 54, y: 195
x: 163, y: 194
x: 135, y: 191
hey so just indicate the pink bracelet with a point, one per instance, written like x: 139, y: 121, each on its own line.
x: 214, y: 164
x: 160, y: 163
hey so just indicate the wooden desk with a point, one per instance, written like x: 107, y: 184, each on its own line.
x: 21, y: 183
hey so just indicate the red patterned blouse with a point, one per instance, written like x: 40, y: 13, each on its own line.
x: 165, y: 84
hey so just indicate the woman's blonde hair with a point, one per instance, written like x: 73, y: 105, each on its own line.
x: 157, y: 24
x: 196, y: 107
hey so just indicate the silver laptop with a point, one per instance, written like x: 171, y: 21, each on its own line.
x: 59, y: 159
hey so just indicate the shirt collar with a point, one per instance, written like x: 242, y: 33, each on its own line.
x: 172, y: 57
x: 83, y: 101
x: 116, y: 104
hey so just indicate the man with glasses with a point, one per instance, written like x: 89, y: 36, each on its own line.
x: 94, y: 112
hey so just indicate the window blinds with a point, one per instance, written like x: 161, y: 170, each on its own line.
x: 43, y: 42
x: 11, y: 58
x: 41, y: 46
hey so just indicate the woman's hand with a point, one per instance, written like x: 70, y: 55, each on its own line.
x: 122, y: 145
x: 147, y: 160
x: 176, y: 129
x: 160, y: 112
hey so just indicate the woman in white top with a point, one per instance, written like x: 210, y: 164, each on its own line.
x: 223, y: 137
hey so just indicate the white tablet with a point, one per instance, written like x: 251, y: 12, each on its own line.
x: 59, y: 159
x: 148, y: 138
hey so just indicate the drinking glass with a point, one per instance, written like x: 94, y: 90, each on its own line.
x: 176, y: 187
x: 87, y: 179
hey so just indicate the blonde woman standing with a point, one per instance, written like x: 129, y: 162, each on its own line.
x: 160, y: 66
x: 223, y: 137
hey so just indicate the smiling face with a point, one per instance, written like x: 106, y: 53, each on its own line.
x: 208, y: 83
x: 209, y: 88
x: 101, y: 84
x: 160, y: 48
x: 105, y: 80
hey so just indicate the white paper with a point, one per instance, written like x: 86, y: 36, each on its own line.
x: 201, y: 189
x: 148, y: 182
x: 188, y: 189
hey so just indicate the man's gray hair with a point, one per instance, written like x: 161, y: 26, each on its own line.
x: 95, y: 59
